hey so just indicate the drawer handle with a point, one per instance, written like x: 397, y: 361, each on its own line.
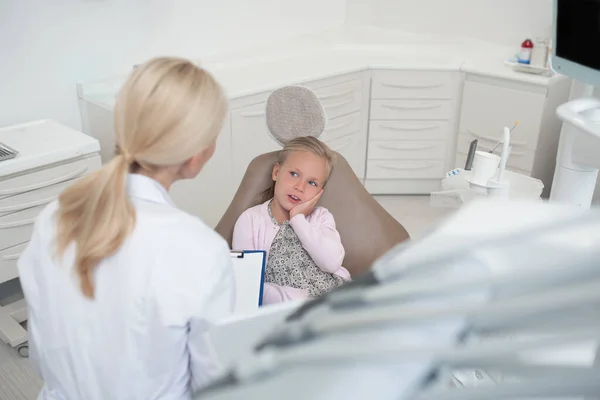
x: 340, y: 104
x: 253, y: 114
x: 11, y: 257
x: 339, y: 137
x: 400, y: 128
x: 428, y: 107
x: 493, y: 139
x: 342, y: 146
x: 17, y: 223
x: 50, y: 182
x: 338, y: 126
x: 429, y: 86
x: 405, y: 146
x: 19, y: 207
x: 334, y: 95
x: 405, y: 168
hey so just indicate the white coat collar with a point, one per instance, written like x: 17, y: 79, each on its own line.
x: 145, y: 188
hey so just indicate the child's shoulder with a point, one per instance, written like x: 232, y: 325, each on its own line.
x: 258, y: 210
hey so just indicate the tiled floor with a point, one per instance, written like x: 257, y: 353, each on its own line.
x: 414, y: 212
x: 19, y: 382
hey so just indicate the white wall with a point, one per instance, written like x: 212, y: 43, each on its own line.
x: 47, y: 46
x: 505, y: 22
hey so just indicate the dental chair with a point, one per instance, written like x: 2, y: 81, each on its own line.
x: 366, y: 229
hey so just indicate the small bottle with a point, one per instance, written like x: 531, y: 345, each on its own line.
x: 539, y: 54
x: 526, y: 50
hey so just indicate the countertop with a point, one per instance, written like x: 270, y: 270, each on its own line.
x: 41, y: 143
x: 340, y: 51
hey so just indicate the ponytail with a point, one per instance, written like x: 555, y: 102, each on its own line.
x: 96, y: 215
x: 168, y: 111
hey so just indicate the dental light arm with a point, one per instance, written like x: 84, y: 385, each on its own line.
x: 401, y: 263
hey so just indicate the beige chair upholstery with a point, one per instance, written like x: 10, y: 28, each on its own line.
x: 366, y: 229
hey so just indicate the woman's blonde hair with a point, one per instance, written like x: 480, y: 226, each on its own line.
x: 168, y: 111
x: 303, y: 143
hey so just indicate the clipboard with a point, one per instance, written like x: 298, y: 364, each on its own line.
x: 249, y: 271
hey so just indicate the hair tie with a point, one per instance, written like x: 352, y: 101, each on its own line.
x: 128, y: 158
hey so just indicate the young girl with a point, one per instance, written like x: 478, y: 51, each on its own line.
x: 304, y: 250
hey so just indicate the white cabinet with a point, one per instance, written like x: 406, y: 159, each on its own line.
x: 208, y: 195
x: 41, y: 187
x: 438, y: 85
x: 489, y: 105
x: 8, y: 262
x: 345, y: 100
x: 400, y: 130
x: 51, y: 157
x: 411, y: 130
x: 250, y: 137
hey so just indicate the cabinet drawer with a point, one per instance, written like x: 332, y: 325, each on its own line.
x: 8, y: 262
x: 250, y: 137
x: 352, y: 148
x: 425, y: 169
x: 408, y: 130
x: 487, y: 109
x: 407, y: 150
x: 47, y: 177
x: 16, y: 228
x: 342, y: 126
x: 34, y: 198
x: 341, y: 99
x: 411, y: 109
x: 520, y: 158
x: 413, y: 85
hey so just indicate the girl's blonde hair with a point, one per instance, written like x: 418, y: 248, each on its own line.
x: 168, y: 111
x: 303, y: 143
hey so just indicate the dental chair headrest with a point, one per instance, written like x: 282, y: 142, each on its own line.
x: 294, y: 111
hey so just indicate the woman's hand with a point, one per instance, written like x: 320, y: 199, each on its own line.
x: 307, y: 207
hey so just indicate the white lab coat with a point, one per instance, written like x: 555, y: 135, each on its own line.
x: 142, y: 337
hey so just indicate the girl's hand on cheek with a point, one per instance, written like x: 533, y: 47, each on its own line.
x: 307, y: 207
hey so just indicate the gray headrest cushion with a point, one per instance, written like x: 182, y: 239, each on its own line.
x: 294, y: 111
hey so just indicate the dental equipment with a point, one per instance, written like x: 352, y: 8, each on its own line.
x: 585, y: 383
x: 488, y: 354
x: 407, y: 258
x: 482, y: 318
x: 503, y: 285
x: 522, y: 279
x: 337, y: 349
x: 577, y: 160
x: 500, y: 141
x: 505, y: 154
x: 471, y: 155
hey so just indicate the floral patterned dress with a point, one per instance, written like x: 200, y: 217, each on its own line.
x: 289, y: 264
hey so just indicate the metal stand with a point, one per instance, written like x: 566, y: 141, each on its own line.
x: 11, y: 331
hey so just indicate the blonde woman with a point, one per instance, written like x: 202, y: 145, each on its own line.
x: 120, y: 284
x: 304, y: 248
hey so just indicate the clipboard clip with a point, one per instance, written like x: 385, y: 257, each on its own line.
x: 237, y: 254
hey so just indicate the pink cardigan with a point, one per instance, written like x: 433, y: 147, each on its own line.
x: 254, y: 230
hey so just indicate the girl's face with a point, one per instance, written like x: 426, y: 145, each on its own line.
x: 299, y: 178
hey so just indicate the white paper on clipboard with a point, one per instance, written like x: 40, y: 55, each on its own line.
x: 249, y: 271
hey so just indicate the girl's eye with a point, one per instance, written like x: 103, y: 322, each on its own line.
x: 294, y: 174
x: 313, y: 183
